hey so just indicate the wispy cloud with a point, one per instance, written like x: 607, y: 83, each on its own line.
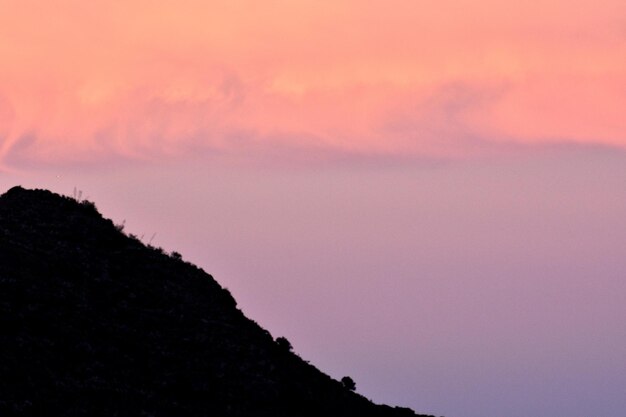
x: 398, y: 79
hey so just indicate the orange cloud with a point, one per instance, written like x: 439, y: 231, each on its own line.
x: 137, y: 79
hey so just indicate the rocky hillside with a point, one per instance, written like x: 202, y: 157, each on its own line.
x: 95, y: 323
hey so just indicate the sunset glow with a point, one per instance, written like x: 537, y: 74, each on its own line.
x: 133, y: 80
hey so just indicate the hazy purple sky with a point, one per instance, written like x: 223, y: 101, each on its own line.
x: 483, y: 288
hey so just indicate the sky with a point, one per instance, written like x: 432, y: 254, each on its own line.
x: 426, y: 196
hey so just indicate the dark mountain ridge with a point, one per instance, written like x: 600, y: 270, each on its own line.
x: 95, y: 323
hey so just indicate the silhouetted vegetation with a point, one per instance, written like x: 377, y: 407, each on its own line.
x: 348, y: 383
x: 95, y: 323
x: 283, y: 344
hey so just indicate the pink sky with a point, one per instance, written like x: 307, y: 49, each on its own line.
x: 427, y: 196
x: 447, y: 79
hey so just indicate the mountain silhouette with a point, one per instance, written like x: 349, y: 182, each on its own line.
x: 95, y: 323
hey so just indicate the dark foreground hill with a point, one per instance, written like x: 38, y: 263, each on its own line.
x: 95, y: 323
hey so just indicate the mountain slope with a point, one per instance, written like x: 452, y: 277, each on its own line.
x: 93, y: 322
